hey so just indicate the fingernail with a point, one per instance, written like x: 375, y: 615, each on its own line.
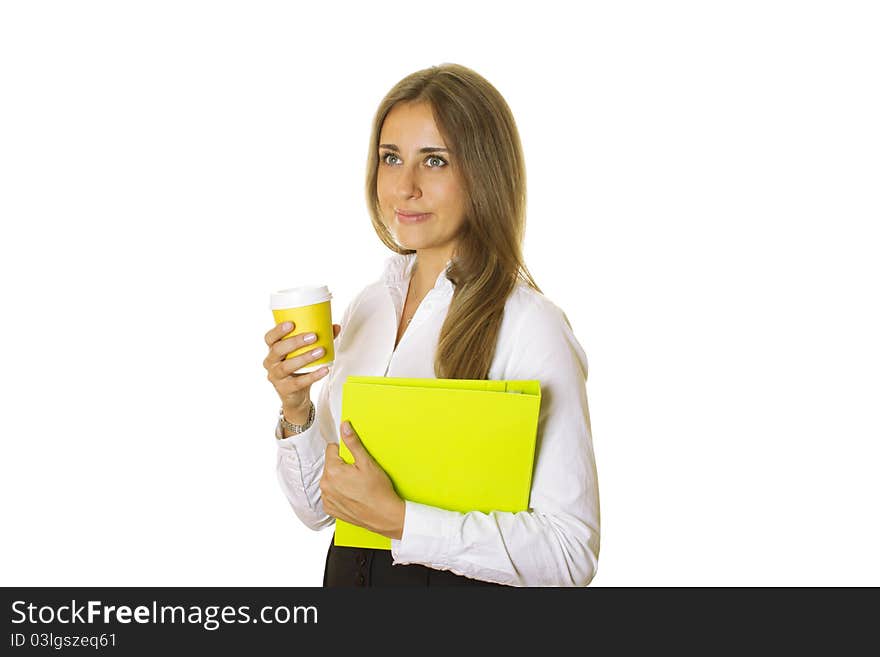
x: 346, y: 428
x: 318, y: 351
x: 310, y: 337
x: 287, y: 326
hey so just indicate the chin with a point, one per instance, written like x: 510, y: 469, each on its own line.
x: 411, y: 242
x: 412, y: 245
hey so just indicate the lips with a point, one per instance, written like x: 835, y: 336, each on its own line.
x: 405, y: 218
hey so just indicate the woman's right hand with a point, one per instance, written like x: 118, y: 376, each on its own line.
x: 293, y: 389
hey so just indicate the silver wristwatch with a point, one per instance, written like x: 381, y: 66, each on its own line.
x: 297, y: 428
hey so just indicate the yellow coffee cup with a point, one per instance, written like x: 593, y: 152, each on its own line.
x: 308, y: 307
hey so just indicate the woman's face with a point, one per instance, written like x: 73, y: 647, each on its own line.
x: 417, y: 175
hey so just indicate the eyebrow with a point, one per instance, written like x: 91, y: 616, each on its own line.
x: 426, y: 149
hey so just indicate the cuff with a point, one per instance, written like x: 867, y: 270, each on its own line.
x: 308, y: 446
x: 426, y: 534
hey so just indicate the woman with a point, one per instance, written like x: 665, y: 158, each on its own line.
x: 446, y: 192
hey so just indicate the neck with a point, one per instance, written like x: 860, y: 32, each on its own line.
x: 427, y: 268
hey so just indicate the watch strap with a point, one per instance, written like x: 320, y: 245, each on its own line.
x: 297, y: 428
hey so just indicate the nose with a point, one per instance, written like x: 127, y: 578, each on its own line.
x: 407, y: 183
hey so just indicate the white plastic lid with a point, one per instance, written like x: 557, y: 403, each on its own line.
x: 304, y: 295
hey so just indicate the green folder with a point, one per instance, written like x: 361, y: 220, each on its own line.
x: 458, y: 444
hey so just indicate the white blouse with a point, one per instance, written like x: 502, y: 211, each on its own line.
x: 555, y: 542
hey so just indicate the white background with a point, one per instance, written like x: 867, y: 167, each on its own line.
x: 703, y: 196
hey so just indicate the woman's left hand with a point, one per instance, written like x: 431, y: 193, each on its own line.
x: 360, y: 493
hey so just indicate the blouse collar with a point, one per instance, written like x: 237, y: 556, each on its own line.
x: 398, y: 269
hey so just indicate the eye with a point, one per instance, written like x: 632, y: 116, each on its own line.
x: 383, y: 158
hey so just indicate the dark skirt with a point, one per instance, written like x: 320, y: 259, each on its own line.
x: 348, y: 566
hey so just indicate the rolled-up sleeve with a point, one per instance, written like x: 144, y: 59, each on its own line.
x: 556, y: 541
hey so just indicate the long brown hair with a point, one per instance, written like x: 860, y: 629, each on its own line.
x: 477, y: 125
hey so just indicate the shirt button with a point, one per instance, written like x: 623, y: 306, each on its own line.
x: 360, y: 579
x: 362, y: 560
